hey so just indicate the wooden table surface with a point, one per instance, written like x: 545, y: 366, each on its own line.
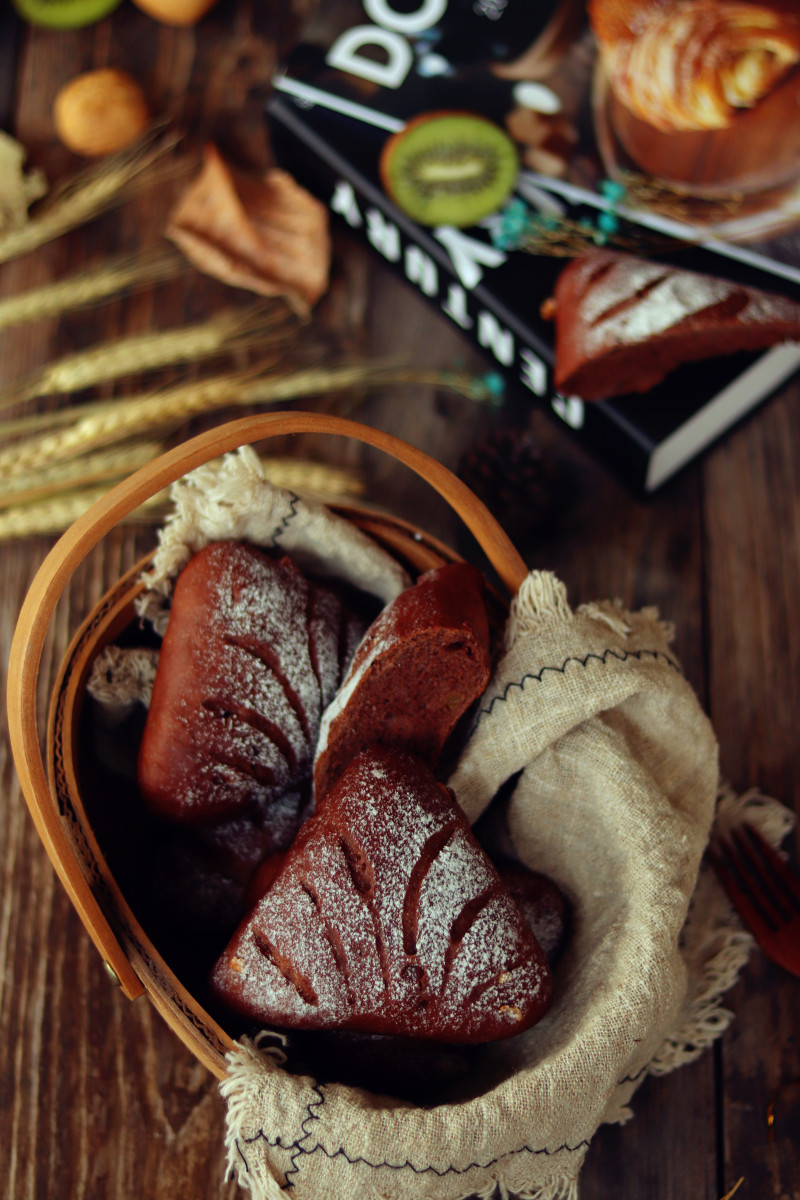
x: 97, y: 1096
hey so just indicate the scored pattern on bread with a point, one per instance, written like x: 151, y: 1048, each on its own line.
x: 387, y: 917
x: 325, y: 634
x: 421, y: 664
x: 251, y: 652
x: 623, y: 323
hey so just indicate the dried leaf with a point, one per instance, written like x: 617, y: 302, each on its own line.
x: 266, y: 234
x: 18, y: 189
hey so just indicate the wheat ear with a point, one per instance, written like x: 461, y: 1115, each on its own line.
x: 102, y: 424
x: 90, y: 287
x: 83, y: 472
x: 56, y: 513
x: 321, y: 480
x: 94, y: 191
x: 233, y: 328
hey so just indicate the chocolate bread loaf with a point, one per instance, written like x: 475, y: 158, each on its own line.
x: 421, y: 664
x: 252, y: 653
x: 623, y: 323
x: 387, y: 917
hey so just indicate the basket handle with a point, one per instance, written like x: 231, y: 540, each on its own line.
x: 69, y: 551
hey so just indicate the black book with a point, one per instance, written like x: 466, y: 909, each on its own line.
x: 360, y: 73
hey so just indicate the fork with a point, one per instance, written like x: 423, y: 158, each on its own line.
x: 765, y: 891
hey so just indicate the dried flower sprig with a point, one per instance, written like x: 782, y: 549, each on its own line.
x: 518, y: 227
x: 93, y: 191
x: 641, y: 191
x: 231, y: 329
x: 91, y: 286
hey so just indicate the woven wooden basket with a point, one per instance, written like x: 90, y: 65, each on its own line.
x: 51, y: 782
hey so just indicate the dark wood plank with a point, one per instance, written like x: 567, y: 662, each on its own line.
x: 753, y: 571
x: 10, y: 31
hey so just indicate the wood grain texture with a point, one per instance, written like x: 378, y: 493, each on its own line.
x: 98, y: 1099
x: 752, y: 522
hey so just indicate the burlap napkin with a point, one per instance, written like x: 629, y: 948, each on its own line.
x: 617, y: 785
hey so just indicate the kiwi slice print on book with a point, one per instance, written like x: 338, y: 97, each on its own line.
x: 65, y: 14
x: 449, y: 168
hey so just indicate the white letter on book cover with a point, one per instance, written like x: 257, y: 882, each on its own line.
x: 455, y: 306
x: 467, y: 254
x: 492, y: 336
x: 383, y: 235
x: 421, y: 270
x: 429, y: 12
x: 344, y: 56
x: 534, y: 372
x: 343, y: 202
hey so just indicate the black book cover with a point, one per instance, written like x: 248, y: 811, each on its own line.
x: 361, y: 72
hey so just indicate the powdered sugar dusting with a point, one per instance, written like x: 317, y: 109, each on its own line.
x: 418, y: 934
x: 635, y: 300
x: 324, y: 624
x: 250, y: 654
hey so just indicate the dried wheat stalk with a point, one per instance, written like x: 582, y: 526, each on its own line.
x: 310, y: 478
x: 90, y: 287
x: 56, y: 513
x: 96, y: 425
x: 37, y: 422
x: 94, y: 191
x: 257, y: 324
x: 83, y: 472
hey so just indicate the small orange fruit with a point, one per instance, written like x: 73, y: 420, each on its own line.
x: 175, y: 12
x: 100, y: 112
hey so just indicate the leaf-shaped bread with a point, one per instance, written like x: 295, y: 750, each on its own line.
x: 623, y: 323
x: 237, y: 698
x: 387, y: 917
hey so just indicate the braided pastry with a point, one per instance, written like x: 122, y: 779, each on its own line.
x: 693, y: 64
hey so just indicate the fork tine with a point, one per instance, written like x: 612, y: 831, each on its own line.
x: 770, y: 911
x: 758, y: 879
x: 757, y: 921
x: 784, y: 877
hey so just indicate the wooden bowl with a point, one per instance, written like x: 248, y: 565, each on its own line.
x: 54, y: 791
x: 743, y: 181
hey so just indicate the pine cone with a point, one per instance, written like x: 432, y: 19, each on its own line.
x: 508, y: 471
